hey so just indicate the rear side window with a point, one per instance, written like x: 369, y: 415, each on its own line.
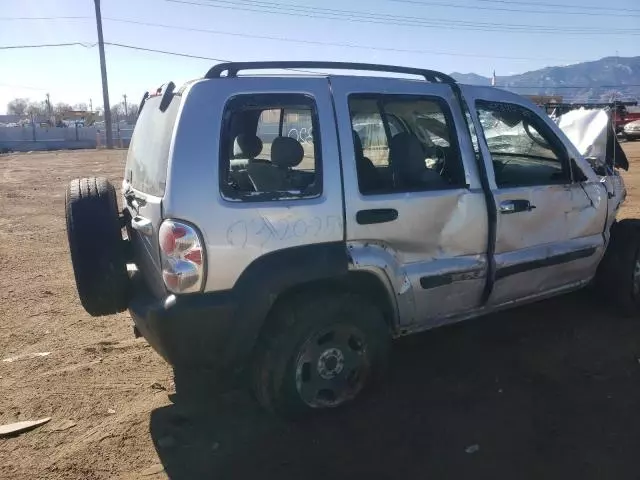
x: 404, y: 143
x: 270, y: 148
x: 148, y: 155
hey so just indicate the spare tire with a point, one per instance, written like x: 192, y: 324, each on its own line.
x: 96, y: 245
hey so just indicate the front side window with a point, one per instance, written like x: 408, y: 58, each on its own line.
x: 404, y: 143
x: 270, y: 148
x: 523, y: 149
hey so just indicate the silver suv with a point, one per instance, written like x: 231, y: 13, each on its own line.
x: 283, y: 229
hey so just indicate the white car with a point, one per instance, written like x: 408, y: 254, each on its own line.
x: 632, y: 130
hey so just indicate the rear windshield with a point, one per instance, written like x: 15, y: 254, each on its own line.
x: 148, y: 154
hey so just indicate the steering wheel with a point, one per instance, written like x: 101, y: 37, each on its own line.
x: 536, y: 138
x: 437, y: 153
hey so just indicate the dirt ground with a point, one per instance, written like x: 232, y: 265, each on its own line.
x: 547, y: 391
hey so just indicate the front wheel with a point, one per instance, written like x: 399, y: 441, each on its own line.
x: 319, y: 351
x: 618, y: 275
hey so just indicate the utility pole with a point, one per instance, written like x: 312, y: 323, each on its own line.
x: 126, y: 110
x: 90, y: 105
x: 103, y: 70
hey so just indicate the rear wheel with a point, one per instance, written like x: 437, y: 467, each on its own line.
x: 319, y: 351
x: 96, y: 245
x: 618, y: 275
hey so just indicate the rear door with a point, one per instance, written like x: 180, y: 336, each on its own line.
x: 415, y: 212
x: 144, y: 185
x: 550, y: 220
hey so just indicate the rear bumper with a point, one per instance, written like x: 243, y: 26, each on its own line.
x: 632, y: 135
x: 191, y: 331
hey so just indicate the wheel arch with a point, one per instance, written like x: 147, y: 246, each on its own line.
x: 360, y: 282
x: 279, y: 276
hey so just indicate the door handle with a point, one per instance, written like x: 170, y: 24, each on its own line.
x: 515, y: 206
x: 376, y: 215
x: 142, y: 225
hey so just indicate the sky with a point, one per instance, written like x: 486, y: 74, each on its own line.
x: 480, y: 36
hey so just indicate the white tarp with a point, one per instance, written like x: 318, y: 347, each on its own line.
x: 587, y: 130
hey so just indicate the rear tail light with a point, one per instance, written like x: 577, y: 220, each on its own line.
x: 182, y: 255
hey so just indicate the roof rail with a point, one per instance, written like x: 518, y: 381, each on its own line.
x: 232, y: 68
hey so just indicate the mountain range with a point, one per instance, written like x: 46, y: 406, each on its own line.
x: 601, y: 80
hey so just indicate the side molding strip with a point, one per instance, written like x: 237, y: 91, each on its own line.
x: 544, y: 262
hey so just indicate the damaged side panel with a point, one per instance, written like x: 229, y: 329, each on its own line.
x: 429, y: 243
x: 549, y: 232
x: 433, y: 256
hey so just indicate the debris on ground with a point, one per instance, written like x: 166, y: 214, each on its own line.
x: 111, y: 411
x: 19, y: 427
x: 157, y: 386
x: 26, y: 355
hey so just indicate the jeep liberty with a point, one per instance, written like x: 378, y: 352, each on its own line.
x: 284, y: 229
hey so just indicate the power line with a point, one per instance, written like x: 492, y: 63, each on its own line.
x: 42, y: 18
x: 198, y: 57
x: 44, y: 45
x: 201, y: 57
x: 322, y: 43
x: 333, y: 11
x: 222, y: 60
x: 560, y: 5
x: 351, y: 16
x: 153, y: 50
x: 504, y: 9
x: 335, y: 14
x: 432, y: 22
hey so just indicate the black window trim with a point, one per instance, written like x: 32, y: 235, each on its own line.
x: 557, y: 146
x: 381, y: 99
x: 268, y: 101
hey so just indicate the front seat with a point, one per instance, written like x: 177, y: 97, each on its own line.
x: 408, y: 161
x: 368, y: 176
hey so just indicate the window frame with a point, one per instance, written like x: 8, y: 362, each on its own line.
x: 170, y: 118
x: 381, y: 99
x: 556, y: 145
x: 262, y: 102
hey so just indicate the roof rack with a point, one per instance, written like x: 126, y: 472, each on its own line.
x: 232, y: 68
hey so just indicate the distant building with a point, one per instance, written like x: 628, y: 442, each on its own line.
x: 10, y: 118
x: 543, y: 100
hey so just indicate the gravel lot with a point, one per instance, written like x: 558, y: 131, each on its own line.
x: 547, y: 391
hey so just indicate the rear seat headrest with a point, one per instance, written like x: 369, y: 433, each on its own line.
x: 247, y: 146
x: 286, y: 152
